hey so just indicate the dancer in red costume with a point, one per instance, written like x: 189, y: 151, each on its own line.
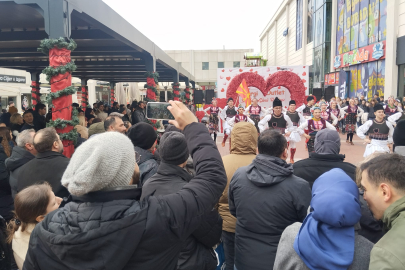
x: 305, y: 110
x: 226, y: 114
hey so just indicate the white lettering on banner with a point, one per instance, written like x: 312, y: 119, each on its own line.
x: 267, y: 101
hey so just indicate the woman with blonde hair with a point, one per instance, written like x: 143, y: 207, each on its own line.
x: 32, y: 204
x: 82, y: 127
x: 16, y: 123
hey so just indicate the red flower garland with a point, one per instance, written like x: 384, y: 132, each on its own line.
x: 176, y: 91
x: 287, y: 79
x: 35, y: 93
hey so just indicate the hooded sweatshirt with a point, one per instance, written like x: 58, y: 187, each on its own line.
x: 265, y: 197
x: 243, y: 152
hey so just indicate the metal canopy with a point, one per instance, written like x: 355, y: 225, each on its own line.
x: 108, y: 47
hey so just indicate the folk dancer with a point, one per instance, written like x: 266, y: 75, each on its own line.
x: 277, y: 120
x: 240, y: 117
x: 314, y: 125
x: 391, y: 109
x: 227, y: 113
x: 327, y: 115
x: 353, y: 114
x: 214, y: 111
x: 305, y: 110
x: 335, y: 110
x: 297, y: 119
x: 255, y: 112
x: 379, y: 131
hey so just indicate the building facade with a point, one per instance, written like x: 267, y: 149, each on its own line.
x: 350, y: 45
x: 203, y: 64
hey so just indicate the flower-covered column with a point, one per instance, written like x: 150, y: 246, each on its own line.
x: 59, y: 75
x: 151, y: 92
x: 176, y: 91
x: 112, y: 97
x: 35, y: 94
x: 187, y: 91
x: 85, y: 99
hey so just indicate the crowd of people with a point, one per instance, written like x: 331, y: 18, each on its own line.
x: 131, y: 198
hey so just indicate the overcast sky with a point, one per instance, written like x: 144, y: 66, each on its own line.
x: 199, y: 25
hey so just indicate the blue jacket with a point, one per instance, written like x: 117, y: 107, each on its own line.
x: 148, y: 165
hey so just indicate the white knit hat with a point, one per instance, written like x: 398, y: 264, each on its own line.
x: 104, y: 161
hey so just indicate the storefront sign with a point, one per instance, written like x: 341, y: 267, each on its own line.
x: 331, y: 79
x: 326, y: 79
x: 208, y: 87
x: 363, y: 55
x: 12, y: 79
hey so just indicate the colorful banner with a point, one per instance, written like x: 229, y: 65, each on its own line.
x: 354, y: 31
x: 319, y: 27
x: 373, y: 20
x: 363, y: 30
x: 344, y: 82
x: 353, y: 81
x: 331, y: 80
x: 225, y: 76
x: 372, y: 79
x: 381, y: 77
x: 363, y: 55
x: 348, y: 26
x: 340, y: 27
x: 326, y: 79
x: 382, y: 33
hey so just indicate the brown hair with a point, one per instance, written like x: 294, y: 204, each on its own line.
x: 47, y: 137
x: 6, y: 138
x: 12, y: 110
x: 29, y: 203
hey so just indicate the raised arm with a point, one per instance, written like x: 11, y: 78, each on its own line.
x: 361, y: 131
x: 394, y: 118
x: 301, y: 108
x: 247, y: 110
x: 391, y: 133
x: 184, y: 209
x: 222, y: 115
x: 263, y: 124
x: 330, y: 126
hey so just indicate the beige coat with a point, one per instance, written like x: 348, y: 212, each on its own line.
x: 243, y: 151
x: 20, y: 244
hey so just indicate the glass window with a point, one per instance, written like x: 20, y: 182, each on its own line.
x: 318, y: 27
x: 236, y: 64
x: 298, y: 36
x: 318, y: 64
x: 309, y: 26
x: 318, y: 4
x: 205, y: 65
x: 220, y: 64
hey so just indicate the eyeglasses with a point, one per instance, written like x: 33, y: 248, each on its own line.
x: 137, y: 157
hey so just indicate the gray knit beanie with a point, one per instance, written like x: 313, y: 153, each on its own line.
x: 104, y: 161
x: 173, y: 148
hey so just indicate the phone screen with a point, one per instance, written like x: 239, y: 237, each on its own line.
x: 158, y: 111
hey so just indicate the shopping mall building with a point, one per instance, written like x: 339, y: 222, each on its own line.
x: 351, y: 46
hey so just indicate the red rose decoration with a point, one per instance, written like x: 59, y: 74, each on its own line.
x: 240, y: 70
x: 228, y: 78
x: 304, y: 74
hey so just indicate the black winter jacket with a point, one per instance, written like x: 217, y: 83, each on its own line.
x: 197, y: 252
x: 45, y: 167
x: 148, y: 165
x: 265, y: 197
x: 311, y: 168
x: 6, y: 201
x: 138, y: 116
x: 114, y: 230
x: 14, y: 163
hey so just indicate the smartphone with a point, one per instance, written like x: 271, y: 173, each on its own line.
x: 158, y: 111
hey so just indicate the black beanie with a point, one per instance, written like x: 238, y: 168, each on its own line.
x: 399, y: 134
x: 378, y: 107
x: 173, y: 148
x: 171, y: 128
x: 277, y: 102
x: 292, y: 102
x: 310, y: 98
x: 142, y: 135
x: 229, y: 99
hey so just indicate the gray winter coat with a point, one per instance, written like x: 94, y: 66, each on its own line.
x: 288, y: 259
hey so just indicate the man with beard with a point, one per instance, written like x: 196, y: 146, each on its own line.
x: 48, y: 165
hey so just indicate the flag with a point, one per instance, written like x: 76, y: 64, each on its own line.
x: 244, y: 93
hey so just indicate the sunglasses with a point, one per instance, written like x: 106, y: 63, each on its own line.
x: 137, y: 157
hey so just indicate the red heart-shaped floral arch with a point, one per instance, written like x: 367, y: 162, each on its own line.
x: 287, y: 79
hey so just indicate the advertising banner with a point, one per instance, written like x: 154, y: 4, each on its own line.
x: 225, y: 76
x: 348, y: 26
x: 344, y: 82
x: 353, y: 81
x: 363, y: 30
x: 381, y: 77
x: 363, y: 55
x: 354, y: 31
x: 373, y: 20
x: 382, y: 31
x: 372, y: 79
x: 340, y: 27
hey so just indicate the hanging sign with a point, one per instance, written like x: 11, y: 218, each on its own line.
x: 12, y: 79
x: 366, y: 54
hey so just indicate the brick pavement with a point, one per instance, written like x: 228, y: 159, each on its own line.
x: 354, y: 153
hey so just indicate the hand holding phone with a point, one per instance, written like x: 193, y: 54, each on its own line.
x: 158, y: 111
